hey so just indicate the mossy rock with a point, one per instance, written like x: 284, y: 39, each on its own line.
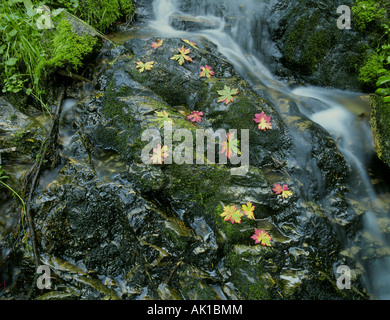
x: 313, y: 50
x: 380, y: 125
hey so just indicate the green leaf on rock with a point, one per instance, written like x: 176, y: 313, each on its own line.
x: 226, y: 95
x: 144, y: 66
x: 182, y: 56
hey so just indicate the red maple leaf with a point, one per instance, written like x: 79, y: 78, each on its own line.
x: 232, y: 214
x: 262, y: 237
x: 230, y: 146
x: 263, y: 120
x: 195, y: 116
x: 206, y: 71
x: 278, y: 189
x: 157, y: 44
x: 159, y: 154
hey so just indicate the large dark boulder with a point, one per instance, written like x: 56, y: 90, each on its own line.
x: 111, y: 226
x: 312, y: 48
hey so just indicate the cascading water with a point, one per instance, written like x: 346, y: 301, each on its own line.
x: 240, y: 29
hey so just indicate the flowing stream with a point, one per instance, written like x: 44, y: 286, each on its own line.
x: 240, y: 29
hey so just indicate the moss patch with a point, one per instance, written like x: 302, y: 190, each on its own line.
x: 103, y: 14
x: 380, y: 125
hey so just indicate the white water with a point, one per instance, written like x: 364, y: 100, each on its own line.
x: 241, y: 34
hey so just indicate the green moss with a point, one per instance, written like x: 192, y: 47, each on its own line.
x: 380, y: 124
x: 233, y: 233
x: 307, y: 43
x: 368, y: 73
x: 68, y: 49
x: 103, y: 14
x: 369, y: 14
x: 244, y: 267
x: 201, y: 183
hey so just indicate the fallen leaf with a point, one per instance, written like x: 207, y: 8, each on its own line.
x: 227, y: 94
x: 162, y: 117
x: 144, y: 66
x: 263, y: 120
x: 232, y: 214
x: 278, y: 189
x: 191, y: 43
x: 195, y: 116
x: 230, y: 146
x: 262, y: 237
x: 182, y: 56
x: 157, y: 44
x: 159, y: 154
x: 206, y: 71
x: 248, y: 209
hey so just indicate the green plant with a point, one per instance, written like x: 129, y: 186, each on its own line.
x: 368, y: 72
x: 368, y: 12
x: 67, y: 49
x: 30, y: 51
x: 104, y: 13
x: 20, y: 46
x: 385, y: 92
x: 374, y: 74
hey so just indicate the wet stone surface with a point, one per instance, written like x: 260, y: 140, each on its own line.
x: 111, y: 227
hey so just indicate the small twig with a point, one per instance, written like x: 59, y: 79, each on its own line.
x: 37, y: 168
x: 74, y: 76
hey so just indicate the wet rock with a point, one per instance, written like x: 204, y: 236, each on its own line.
x: 111, y: 226
x: 313, y: 50
x: 379, y: 122
x: 189, y: 23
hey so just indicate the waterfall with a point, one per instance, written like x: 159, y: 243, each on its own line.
x: 240, y: 29
x: 233, y: 19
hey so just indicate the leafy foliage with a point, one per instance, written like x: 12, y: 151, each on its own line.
x: 373, y: 16
x: 262, y: 237
x: 104, y: 13
x: 368, y: 12
x: 226, y: 95
x: 159, y: 154
x: 157, y: 44
x: 232, y: 214
x: 145, y: 66
x: 278, y: 189
x: 206, y: 71
x: 384, y: 80
x: 182, y: 56
x: 195, y: 116
x: 29, y: 53
x: 263, y: 120
x: 230, y: 146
